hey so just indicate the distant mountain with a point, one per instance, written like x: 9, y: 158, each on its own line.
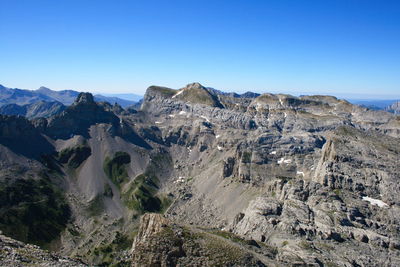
x: 373, y: 104
x: 34, y: 110
x: 20, y: 96
x: 394, y: 108
x: 131, y: 97
x: 247, y: 94
x: 112, y: 100
x: 66, y: 97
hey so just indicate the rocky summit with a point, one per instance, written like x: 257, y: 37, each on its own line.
x: 199, y: 177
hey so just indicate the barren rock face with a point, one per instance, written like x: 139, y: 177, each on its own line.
x: 85, y: 98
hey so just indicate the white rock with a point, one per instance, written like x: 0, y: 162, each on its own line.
x: 375, y: 202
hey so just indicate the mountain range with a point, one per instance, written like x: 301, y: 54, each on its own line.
x: 17, y: 100
x: 374, y: 104
x: 199, y: 177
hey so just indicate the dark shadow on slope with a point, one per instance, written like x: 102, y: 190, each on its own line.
x: 129, y: 135
x: 21, y: 137
x: 77, y: 119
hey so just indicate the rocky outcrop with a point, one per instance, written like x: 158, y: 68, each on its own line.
x: 303, y: 218
x: 78, y: 117
x: 160, y: 242
x: 394, y: 108
x: 14, y: 253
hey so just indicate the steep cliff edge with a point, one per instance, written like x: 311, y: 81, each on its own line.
x: 160, y: 242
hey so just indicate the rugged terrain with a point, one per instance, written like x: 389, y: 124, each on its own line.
x: 44, y: 102
x: 15, y: 254
x: 242, y: 180
x: 40, y: 109
x: 394, y: 108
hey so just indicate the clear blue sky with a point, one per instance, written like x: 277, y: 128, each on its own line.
x: 114, y: 46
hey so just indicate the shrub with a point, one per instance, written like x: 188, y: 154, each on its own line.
x: 32, y: 211
x: 115, y: 169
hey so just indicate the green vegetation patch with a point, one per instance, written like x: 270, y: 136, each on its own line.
x: 230, y: 236
x: 96, y: 206
x: 108, y: 191
x: 246, y: 157
x: 347, y: 131
x: 223, y: 253
x: 141, y: 195
x: 107, y: 253
x: 115, y: 167
x: 32, y: 211
x: 167, y: 92
x: 74, y: 156
x: 200, y: 96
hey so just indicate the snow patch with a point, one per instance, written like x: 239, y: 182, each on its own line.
x: 217, y: 136
x: 283, y: 160
x: 204, y: 117
x: 280, y: 101
x: 158, y: 122
x: 284, y: 114
x: 219, y: 148
x: 182, y: 112
x: 273, y: 153
x: 300, y: 173
x: 180, y: 180
x: 375, y: 202
x: 175, y: 95
x: 171, y: 116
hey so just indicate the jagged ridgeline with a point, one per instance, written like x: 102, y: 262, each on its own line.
x: 199, y: 177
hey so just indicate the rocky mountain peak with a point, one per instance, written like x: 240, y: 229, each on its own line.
x: 84, y: 98
x: 43, y: 89
x: 194, y: 85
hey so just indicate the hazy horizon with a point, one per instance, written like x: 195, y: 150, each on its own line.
x: 128, y: 95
